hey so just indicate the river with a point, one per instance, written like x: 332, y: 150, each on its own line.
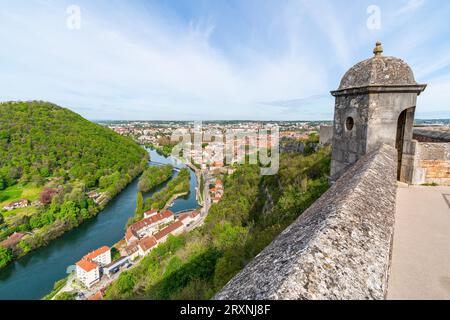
x: 33, y: 276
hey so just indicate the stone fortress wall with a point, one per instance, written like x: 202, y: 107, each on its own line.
x: 431, y: 157
x: 338, y: 249
x: 326, y: 134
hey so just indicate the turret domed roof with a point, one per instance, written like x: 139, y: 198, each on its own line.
x: 378, y: 70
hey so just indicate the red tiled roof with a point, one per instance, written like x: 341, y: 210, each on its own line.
x: 147, y: 243
x: 151, y: 212
x: 16, y: 236
x: 151, y: 220
x: 96, y: 253
x: 129, y: 234
x: 169, y: 229
x: 86, y: 265
x: 185, y: 215
x: 132, y: 248
x: 194, y: 214
x: 98, y: 295
x: 167, y: 214
x: 12, y: 239
x: 141, y: 224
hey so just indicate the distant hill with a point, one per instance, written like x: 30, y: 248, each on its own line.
x: 66, y: 166
x: 39, y: 140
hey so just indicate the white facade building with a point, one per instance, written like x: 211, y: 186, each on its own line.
x: 88, y: 273
x: 88, y: 269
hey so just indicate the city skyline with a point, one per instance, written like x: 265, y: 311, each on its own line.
x: 222, y: 60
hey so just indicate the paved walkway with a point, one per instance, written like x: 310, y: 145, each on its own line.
x: 421, y: 254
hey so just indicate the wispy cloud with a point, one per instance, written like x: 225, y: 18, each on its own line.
x: 298, y: 103
x: 430, y: 67
x: 208, y: 60
x: 328, y: 20
x: 301, y: 108
x: 411, y: 6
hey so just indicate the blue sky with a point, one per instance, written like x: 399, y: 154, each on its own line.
x: 213, y: 59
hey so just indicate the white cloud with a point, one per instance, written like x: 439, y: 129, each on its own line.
x: 411, y: 6
x: 158, y: 66
x: 175, y: 67
x: 431, y: 66
x: 436, y: 97
x: 330, y: 24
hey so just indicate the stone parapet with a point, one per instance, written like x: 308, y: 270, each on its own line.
x: 431, y: 163
x: 337, y: 249
x: 424, y: 135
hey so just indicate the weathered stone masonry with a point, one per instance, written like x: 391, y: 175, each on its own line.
x: 431, y: 163
x: 375, y: 104
x: 431, y: 157
x: 338, y: 249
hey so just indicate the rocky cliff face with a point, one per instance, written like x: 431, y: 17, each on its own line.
x: 338, y: 249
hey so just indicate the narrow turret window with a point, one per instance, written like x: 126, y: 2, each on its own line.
x: 349, y: 123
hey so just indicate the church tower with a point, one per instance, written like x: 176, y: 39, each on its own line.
x: 375, y: 104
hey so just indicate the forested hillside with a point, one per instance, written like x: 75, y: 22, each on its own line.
x: 253, y: 211
x: 65, y: 166
x: 40, y: 140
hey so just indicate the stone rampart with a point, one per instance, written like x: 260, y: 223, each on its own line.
x: 338, y: 249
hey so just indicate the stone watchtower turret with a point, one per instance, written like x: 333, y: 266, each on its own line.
x: 375, y: 105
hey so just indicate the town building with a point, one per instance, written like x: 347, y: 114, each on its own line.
x: 131, y: 251
x: 188, y: 218
x: 175, y: 229
x: 88, y: 269
x: 93, y: 195
x: 148, y: 226
x: 12, y: 240
x: 131, y: 236
x: 150, y: 213
x: 217, y: 191
x: 97, y: 296
x: 17, y: 204
x: 140, y: 243
x: 146, y: 245
x: 88, y: 272
x: 115, y: 266
x: 100, y: 256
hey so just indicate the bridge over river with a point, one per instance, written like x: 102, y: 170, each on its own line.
x: 163, y: 164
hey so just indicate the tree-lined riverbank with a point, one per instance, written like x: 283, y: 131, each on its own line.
x: 33, y: 276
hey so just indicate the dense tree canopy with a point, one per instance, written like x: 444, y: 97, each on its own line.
x: 39, y: 140
x: 57, y: 157
x: 5, y: 256
x: 154, y: 176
